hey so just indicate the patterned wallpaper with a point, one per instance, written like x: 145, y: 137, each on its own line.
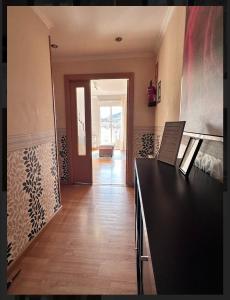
x: 145, y: 143
x: 32, y: 180
x: 63, y: 155
x: 32, y: 190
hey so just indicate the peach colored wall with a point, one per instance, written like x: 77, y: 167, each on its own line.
x: 142, y: 67
x: 170, y: 60
x: 29, y: 92
x: 32, y: 176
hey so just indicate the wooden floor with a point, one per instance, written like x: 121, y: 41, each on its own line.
x: 88, y: 248
x: 109, y: 170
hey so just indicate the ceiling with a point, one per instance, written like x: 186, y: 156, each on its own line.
x: 84, y: 31
x: 110, y: 87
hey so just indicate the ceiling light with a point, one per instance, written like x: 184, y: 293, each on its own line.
x: 118, y: 39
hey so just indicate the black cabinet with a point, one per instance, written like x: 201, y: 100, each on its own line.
x: 145, y: 277
x: 179, y: 230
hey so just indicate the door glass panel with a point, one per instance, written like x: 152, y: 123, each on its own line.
x: 81, y: 135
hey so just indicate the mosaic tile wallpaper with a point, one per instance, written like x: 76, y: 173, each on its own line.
x: 63, y: 155
x: 32, y: 194
x: 145, y: 143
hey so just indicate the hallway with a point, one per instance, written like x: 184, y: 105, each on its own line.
x: 87, y: 248
x: 112, y: 79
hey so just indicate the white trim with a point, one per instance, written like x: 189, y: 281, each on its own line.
x: 61, y: 130
x: 22, y: 141
x: 164, y: 26
x: 143, y: 129
x: 43, y: 18
x: 204, y: 136
x: 103, y: 57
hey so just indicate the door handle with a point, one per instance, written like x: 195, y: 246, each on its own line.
x: 144, y: 258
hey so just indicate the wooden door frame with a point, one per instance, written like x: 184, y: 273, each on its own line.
x: 129, y: 118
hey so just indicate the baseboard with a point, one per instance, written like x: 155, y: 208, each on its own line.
x: 16, y: 262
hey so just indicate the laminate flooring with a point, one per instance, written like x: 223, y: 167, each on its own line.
x: 87, y: 248
x: 109, y: 170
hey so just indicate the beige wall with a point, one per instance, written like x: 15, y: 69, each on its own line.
x: 32, y: 177
x: 170, y: 60
x: 29, y: 93
x: 142, y: 67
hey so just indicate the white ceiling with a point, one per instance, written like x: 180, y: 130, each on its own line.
x: 84, y: 31
x: 111, y: 87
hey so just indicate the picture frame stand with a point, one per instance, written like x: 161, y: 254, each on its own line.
x: 189, y: 156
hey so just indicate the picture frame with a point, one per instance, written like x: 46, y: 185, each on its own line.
x: 189, y: 156
x: 170, y: 142
x: 159, y: 92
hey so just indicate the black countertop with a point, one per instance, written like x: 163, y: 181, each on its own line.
x: 184, y: 221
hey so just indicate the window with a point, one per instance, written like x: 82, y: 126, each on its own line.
x: 80, y: 104
x: 110, y: 125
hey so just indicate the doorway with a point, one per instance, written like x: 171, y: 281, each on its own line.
x: 80, y: 164
x: 109, y: 119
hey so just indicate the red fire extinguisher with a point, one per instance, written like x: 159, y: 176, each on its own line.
x: 151, y: 94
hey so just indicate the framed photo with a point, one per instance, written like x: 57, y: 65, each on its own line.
x: 159, y: 92
x: 190, y: 155
x: 170, y: 142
